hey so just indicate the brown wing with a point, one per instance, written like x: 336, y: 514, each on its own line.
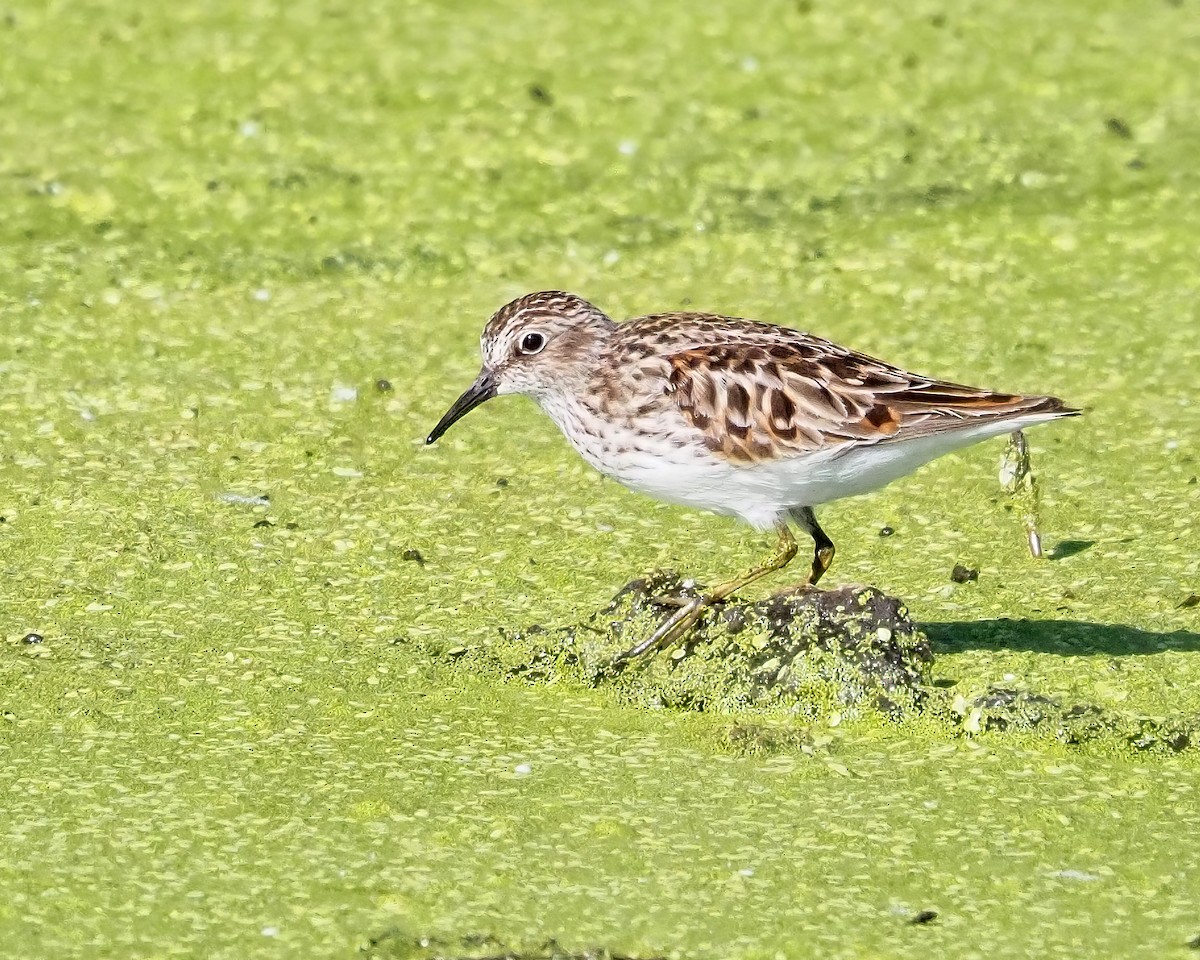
x: 798, y: 393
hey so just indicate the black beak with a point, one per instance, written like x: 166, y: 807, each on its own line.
x: 484, y: 388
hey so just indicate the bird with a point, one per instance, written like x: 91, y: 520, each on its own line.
x: 738, y: 417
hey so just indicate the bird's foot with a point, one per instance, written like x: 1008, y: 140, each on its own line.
x: 670, y: 630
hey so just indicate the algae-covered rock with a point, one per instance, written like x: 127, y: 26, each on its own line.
x: 815, y: 652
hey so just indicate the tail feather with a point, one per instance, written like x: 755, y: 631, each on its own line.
x: 927, y: 413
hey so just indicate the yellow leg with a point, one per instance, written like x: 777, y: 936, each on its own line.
x: 682, y: 620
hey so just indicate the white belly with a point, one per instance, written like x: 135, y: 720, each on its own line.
x: 761, y: 493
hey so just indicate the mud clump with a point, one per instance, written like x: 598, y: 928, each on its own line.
x: 1004, y: 709
x: 1001, y: 707
x: 815, y: 653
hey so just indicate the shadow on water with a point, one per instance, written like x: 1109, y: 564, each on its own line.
x: 1063, y: 637
x: 1068, y: 548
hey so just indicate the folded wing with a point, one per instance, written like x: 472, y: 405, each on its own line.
x: 790, y: 396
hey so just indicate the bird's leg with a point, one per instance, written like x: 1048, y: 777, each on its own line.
x: 676, y: 625
x: 822, y: 546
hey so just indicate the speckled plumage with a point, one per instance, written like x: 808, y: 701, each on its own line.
x: 734, y: 416
x: 676, y: 404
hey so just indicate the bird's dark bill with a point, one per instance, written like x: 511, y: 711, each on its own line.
x: 483, y: 389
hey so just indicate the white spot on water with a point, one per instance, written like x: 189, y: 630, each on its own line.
x: 346, y: 472
x: 749, y: 64
x: 1075, y: 875
x: 250, y: 128
x: 343, y: 394
x: 627, y: 148
x: 262, y: 295
x: 522, y: 769
x: 250, y: 501
x: 270, y: 931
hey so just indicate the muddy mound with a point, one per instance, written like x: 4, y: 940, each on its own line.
x: 816, y: 652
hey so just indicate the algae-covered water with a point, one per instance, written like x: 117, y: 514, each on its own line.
x: 246, y: 253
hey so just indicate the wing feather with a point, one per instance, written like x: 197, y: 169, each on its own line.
x: 764, y: 393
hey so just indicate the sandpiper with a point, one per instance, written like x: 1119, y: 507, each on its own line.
x: 742, y: 418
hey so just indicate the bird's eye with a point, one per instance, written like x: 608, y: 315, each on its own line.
x: 533, y: 342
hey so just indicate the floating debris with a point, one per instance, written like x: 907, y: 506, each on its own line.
x: 1017, y: 479
x: 1079, y: 875
x: 961, y: 574
x: 249, y: 500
